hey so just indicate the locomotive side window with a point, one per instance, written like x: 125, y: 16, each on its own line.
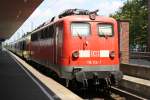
x: 42, y: 34
x: 51, y: 31
x: 105, y: 29
x: 82, y: 29
x: 47, y: 32
x: 34, y: 37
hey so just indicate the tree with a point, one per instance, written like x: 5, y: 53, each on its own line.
x: 136, y: 11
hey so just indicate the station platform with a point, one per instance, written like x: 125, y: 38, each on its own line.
x: 15, y: 84
x: 20, y: 81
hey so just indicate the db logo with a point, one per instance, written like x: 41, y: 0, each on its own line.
x: 95, y: 53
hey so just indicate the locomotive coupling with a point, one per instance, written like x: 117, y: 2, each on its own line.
x: 75, y: 70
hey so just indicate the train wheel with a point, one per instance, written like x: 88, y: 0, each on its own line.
x: 105, y: 86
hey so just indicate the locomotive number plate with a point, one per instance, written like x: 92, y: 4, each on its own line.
x: 94, y: 62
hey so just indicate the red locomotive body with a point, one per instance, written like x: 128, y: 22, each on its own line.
x: 80, y: 47
x: 87, y: 48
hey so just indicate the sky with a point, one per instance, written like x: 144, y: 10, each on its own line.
x: 49, y: 8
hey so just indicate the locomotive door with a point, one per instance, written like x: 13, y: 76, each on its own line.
x: 56, y: 45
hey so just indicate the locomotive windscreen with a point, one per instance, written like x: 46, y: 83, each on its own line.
x: 105, y: 29
x: 82, y: 29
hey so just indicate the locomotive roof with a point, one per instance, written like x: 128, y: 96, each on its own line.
x: 74, y: 15
x: 86, y: 18
x: 72, y: 18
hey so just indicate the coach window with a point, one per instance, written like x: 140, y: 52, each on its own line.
x: 105, y: 29
x: 80, y: 29
x: 32, y: 37
x: 23, y: 45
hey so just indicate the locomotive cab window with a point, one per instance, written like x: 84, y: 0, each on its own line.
x: 80, y: 29
x: 105, y: 29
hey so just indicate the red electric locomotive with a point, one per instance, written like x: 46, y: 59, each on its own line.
x: 79, y: 45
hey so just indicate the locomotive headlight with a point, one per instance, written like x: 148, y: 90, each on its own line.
x: 75, y: 54
x: 112, y: 54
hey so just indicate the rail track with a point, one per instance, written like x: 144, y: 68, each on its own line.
x: 119, y: 94
x: 116, y: 94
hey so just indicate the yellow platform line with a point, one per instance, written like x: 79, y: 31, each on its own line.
x: 57, y: 88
